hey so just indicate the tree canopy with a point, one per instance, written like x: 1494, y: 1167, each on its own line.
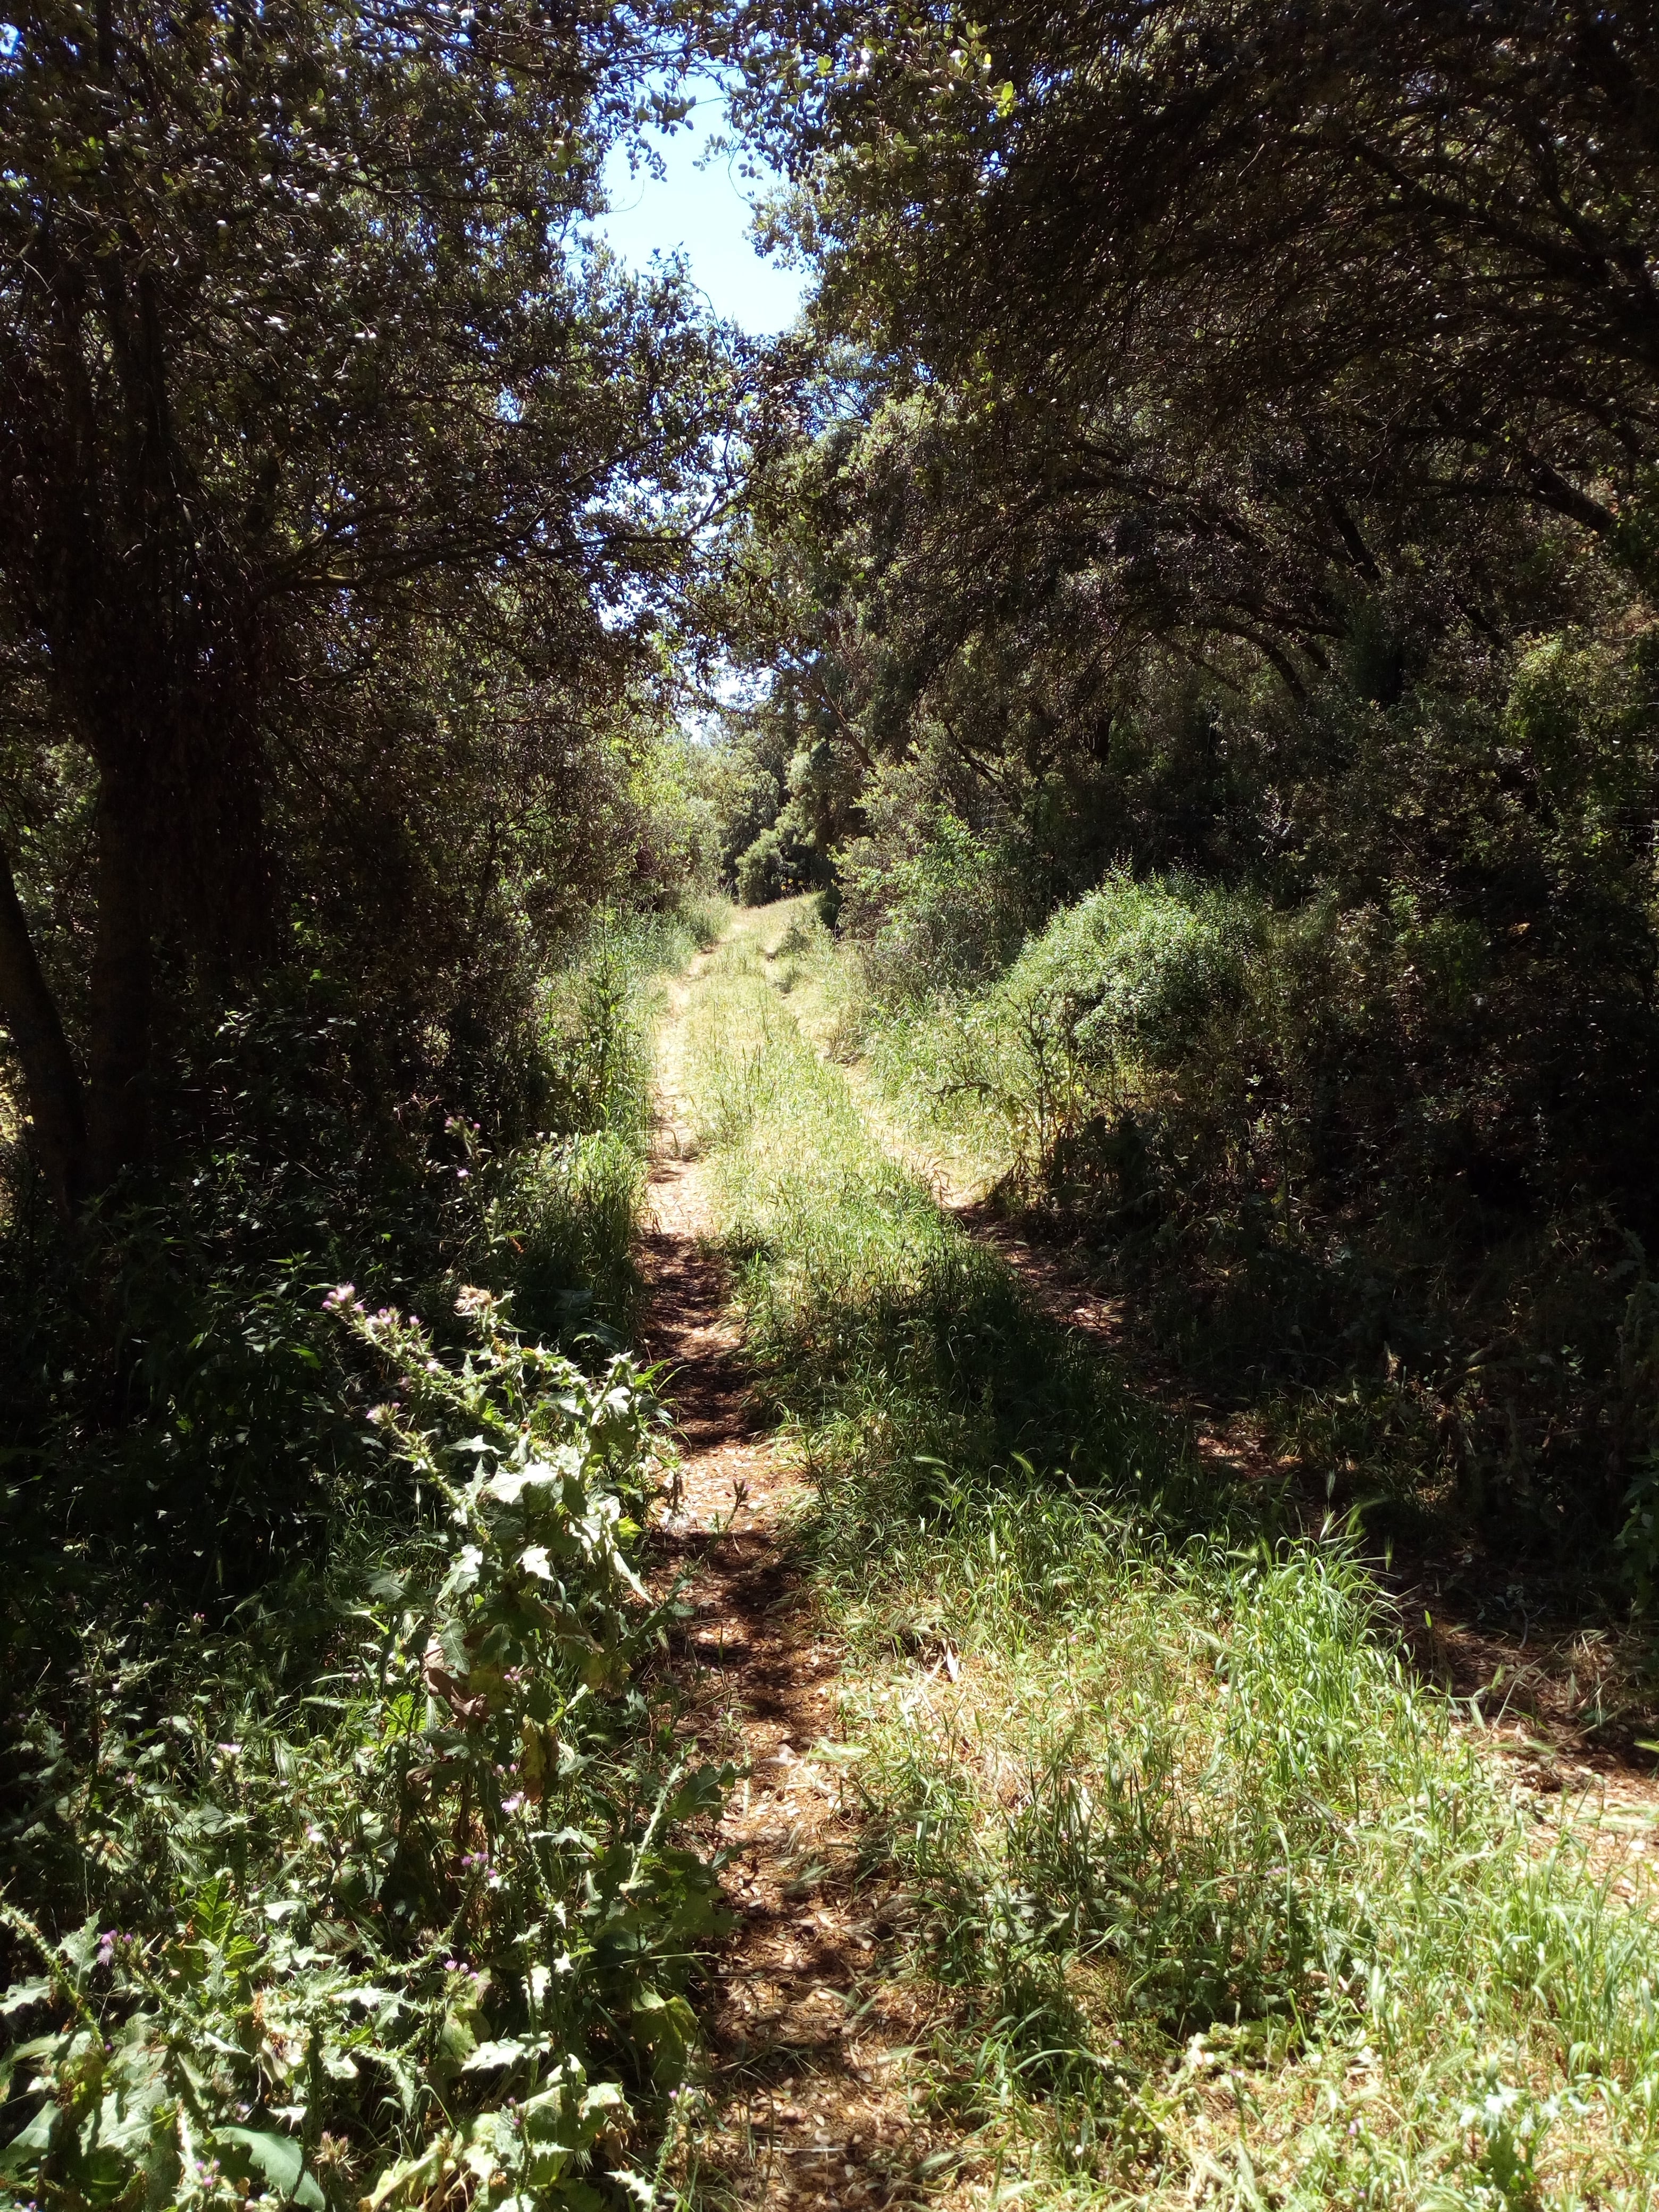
x: 300, y: 345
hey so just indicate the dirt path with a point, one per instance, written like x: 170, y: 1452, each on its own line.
x: 809, y: 2045
x: 820, y: 2047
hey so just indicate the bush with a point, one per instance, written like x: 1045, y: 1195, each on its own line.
x: 1136, y: 980
x: 382, y: 1895
x: 761, y: 870
x: 1308, y: 1137
x: 943, y: 906
x: 593, y: 1019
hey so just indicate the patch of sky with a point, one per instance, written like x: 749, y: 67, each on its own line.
x: 702, y: 205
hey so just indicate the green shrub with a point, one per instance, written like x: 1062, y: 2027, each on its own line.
x: 1136, y: 981
x: 944, y: 908
x: 594, y: 1039
x: 1258, y: 1118
x: 382, y: 1895
x: 760, y: 870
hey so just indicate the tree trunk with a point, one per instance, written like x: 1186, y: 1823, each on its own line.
x: 56, y: 1105
x: 122, y: 1008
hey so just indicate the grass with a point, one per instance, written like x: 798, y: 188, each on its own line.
x: 564, y: 1221
x: 1217, y: 1901
x: 570, y: 1217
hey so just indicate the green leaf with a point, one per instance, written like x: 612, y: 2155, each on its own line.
x: 505, y: 2053
x: 23, y: 2150
x: 281, y: 2162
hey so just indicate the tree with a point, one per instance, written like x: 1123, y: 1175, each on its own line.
x: 1249, y: 309
x: 298, y: 343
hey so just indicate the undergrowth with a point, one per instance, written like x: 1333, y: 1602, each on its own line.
x: 342, y: 1839
x: 1216, y: 1899
x: 1181, y: 1085
x: 380, y: 1894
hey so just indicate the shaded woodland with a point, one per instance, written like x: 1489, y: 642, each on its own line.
x: 1226, y: 478
x: 1177, y: 612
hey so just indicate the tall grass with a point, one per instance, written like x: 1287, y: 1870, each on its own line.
x: 894, y: 1336
x: 1218, y: 1903
x: 565, y: 1219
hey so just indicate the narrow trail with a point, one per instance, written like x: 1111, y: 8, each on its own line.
x: 830, y: 2076
x: 809, y: 2045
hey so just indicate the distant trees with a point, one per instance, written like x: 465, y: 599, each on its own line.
x: 309, y: 406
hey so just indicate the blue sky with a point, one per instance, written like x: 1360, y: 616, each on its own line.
x: 705, y: 210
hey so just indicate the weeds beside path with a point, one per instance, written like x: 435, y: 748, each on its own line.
x: 806, y: 2098
x: 1571, y: 1706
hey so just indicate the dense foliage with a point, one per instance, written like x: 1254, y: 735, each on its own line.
x: 387, y: 1854
x: 1223, y: 481
x: 345, y: 825
x: 338, y: 467
x: 1183, y: 606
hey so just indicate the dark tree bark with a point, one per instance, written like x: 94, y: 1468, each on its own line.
x: 262, y: 282
x: 121, y: 1009
x: 56, y: 1105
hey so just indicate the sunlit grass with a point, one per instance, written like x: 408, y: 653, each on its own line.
x: 1221, y: 1904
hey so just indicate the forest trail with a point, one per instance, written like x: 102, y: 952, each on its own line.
x: 839, y: 2070
x: 809, y: 2098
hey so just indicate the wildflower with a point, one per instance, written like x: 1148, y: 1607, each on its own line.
x: 106, y: 1947
x: 343, y: 1295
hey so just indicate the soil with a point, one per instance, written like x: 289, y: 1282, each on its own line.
x: 812, y: 2099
